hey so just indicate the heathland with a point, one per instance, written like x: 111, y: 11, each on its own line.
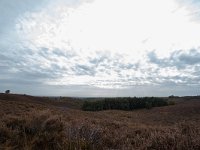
x: 34, y: 123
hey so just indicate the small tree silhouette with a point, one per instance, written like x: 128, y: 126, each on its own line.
x: 7, y: 91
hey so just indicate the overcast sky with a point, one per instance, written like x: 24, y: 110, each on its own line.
x: 100, y: 47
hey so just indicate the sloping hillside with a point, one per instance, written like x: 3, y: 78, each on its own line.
x: 36, y: 123
x: 47, y: 101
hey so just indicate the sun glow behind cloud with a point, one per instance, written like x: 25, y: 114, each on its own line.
x: 130, y: 26
x: 127, y: 30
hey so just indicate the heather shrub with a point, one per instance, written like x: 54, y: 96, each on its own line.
x: 171, y: 103
x: 44, y: 130
x: 40, y: 130
x: 54, y: 128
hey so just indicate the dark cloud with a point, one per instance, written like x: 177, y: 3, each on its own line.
x: 191, y: 58
x: 84, y: 70
x: 64, y: 53
x: 25, y: 68
x: 114, y: 62
x: 181, y: 68
x: 179, y: 59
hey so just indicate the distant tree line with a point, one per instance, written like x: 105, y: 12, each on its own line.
x: 127, y: 103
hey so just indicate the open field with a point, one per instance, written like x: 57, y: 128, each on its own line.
x: 41, y: 123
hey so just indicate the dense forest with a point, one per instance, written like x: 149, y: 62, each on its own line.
x: 127, y: 103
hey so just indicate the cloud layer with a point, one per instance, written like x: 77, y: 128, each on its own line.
x: 74, y: 48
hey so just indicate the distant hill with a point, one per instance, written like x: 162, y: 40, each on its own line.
x: 47, y: 101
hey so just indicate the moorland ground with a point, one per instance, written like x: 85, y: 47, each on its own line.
x: 29, y: 122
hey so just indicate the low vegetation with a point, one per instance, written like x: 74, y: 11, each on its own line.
x: 29, y: 124
x: 124, y: 103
